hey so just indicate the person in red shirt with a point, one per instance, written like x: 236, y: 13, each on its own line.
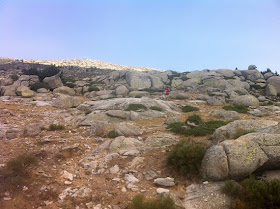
x: 167, y: 92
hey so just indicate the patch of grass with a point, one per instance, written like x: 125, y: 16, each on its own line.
x: 140, y: 202
x: 136, y: 107
x: 87, y: 112
x: 189, y: 108
x: 112, y: 134
x: 39, y: 85
x: 203, y: 128
x: 55, y: 127
x: 14, y: 77
x: 196, y: 119
x: 257, y: 87
x: 255, y: 194
x: 185, y: 157
x: 237, y: 108
x: 176, y: 127
x: 270, y: 103
x: 241, y: 132
x: 92, y: 83
x: 70, y: 85
x: 150, y: 90
x: 231, y: 188
x: 156, y: 108
x: 93, y: 88
x: 16, y: 171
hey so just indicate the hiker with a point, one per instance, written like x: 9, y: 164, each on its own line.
x: 167, y: 92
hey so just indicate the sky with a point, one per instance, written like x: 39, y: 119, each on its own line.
x: 181, y: 35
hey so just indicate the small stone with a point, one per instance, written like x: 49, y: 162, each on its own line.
x: 67, y: 175
x: 167, y: 182
x: 7, y: 198
x: 25, y: 188
x: 162, y: 191
x: 123, y: 189
x: 67, y: 182
x: 115, y: 169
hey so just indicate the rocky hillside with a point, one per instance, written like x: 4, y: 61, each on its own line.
x: 82, y: 63
x: 72, y: 137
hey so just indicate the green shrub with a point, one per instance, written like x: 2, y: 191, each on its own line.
x: 140, y: 202
x: 16, y: 171
x: 270, y: 103
x: 30, y: 71
x: 54, y: 127
x: 87, y: 112
x: 237, y: 108
x: 231, y: 188
x: 176, y: 127
x: 188, y: 108
x: 241, y: 132
x: 112, y: 134
x: 196, y: 119
x: 93, y: 88
x: 136, y: 107
x: 14, y: 77
x: 256, y: 86
x: 185, y: 157
x: 70, y: 85
x: 255, y: 194
x: 203, y: 128
x: 47, y: 72
x: 39, y: 85
x: 156, y: 108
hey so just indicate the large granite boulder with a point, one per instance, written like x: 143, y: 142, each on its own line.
x: 138, y: 80
x: 227, y: 115
x: 248, y: 100
x: 66, y: 101
x: 226, y: 73
x: 121, y: 90
x: 26, y: 80
x: 123, y: 143
x: 252, y: 75
x: 64, y: 90
x: 275, y: 81
x: 53, y: 81
x: 270, y: 90
x: 238, y: 127
x: 126, y: 129
x: 245, y: 155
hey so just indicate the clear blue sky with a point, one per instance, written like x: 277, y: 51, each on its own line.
x: 181, y: 35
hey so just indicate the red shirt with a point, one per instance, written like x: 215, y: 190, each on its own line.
x: 167, y: 92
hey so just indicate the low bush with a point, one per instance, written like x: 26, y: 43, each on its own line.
x: 14, y: 77
x: 70, y: 85
x: 16, y: 171
x: 87, y: 112
x: 140, y: 202
x: 156, y: 108
x: 188, y: 108
x: 112, y: 134
x: 241, y: 132
x: 255, y: 194
x: 185, y: 157
x: 231, y: 188
x: 136, y: 107
x: 54, y: 127
x: 39, y: 85
x: 93, y: 88
x: 47, y: 72
x: 237, y: 108
x: 202, y: 128
x: 196, y: 119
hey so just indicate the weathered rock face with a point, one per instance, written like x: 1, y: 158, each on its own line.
x: 252, y: 67
x: 126, y: 129
x: 53, y: 81
x: 8, y: 90
x: 227, y: 115
x: 247, y: 100
x: 26, y: 80
x: 121, y: 90
x: 226, y: 73
x: 64, y: 90
x: 241, y: 157
x: 270, y: 90
x: 66, y: 101
x: 244, y: 157
x: 123, y: 143
x: 275, y: 81
x: 32, y: 130
x: 235, y: 128
x: 138, y: 80
x: 252, y: 75
x: 214, y: 165
x: 24, y: 91
x: 202, y: 196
